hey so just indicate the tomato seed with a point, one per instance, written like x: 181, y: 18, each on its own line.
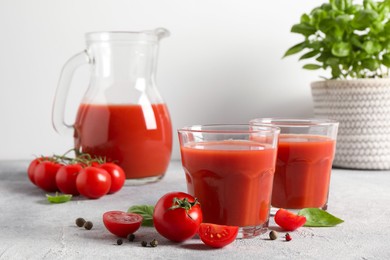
x: 144, y: 243
x: 119, y: 242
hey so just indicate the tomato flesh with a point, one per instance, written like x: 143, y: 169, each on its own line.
x: 289, y: 221
x: 217, y: 236
x: 121, y: 223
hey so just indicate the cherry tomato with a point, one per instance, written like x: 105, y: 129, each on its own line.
x: 66, y: 178
x: 217, y: 236
x: 93, y: 182
x: 289, y: 221
x: 118, y: 176
x: 31, y: 168
x: 122, y: 223
x: 45, y: 175
x: 177, y: 216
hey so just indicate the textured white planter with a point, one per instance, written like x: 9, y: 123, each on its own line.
x: 362, y: 107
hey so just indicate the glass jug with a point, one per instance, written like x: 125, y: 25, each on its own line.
x: 122, y: 115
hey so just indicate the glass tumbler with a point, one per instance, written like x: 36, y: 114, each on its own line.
x: 304, y: 162
x: 230, y: 169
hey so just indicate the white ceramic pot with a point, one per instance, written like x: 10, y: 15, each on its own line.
x: 362, y: 107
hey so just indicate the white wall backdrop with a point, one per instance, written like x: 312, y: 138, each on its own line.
x: 222, y: 62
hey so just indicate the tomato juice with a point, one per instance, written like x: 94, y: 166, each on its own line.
x: 232, y: 180
x: 137, y: 137
x: 303, y: 169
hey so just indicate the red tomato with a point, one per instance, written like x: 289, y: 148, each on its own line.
x: 45, y: 175
x: 122, y: 223
x: 118, y: 176
x: 93, y: 182
x: 66, y: 178
x: 289, y: 221
x: 217, y: 235
x: 177, y: 216
x: 31, y: 168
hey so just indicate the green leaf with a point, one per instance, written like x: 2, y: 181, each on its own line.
x: 371, y: 64
x: 312, y: 66
x: 341, y: 49
x: 305, y: 18
x: 326, y: 25
x: 59, y: 198
x: 363, y: 19
x: 309, y: 54
x: 319, y: 218
x: 295, y: 49
x: 386, y: 59
x: 146, y: 211
x: 372, y: 47
x: 303, y: 28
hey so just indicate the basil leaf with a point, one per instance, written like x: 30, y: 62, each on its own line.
x: 146, y: 211
x: 319, y: 218
x: 59, y: 198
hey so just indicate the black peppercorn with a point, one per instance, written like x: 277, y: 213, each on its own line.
x: 80, y: 222
x: 131, y: 237
x: 154, y: 243
x: 273, y: 235
x: 88, y: 225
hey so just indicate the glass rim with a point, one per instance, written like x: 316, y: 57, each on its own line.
x: 147, y: 35
x: 230, y: 129
x: 293, y: 122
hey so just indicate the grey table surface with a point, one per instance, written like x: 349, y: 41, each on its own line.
x: 32, y: 228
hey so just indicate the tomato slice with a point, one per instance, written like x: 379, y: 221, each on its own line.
x: 121, y: 223
x: 288, y: 220
x: 217, y: 236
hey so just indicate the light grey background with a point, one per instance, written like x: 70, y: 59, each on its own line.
x: 222, y: 63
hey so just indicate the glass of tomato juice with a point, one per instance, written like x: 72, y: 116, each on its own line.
x: 304, y: 162
x: 230, y: 170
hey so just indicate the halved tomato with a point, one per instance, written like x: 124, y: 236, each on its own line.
x: 217, y: 236
x: 122, y: 223
x: 288, y: 220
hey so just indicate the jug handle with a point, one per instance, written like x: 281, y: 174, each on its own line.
x: 58, y: 112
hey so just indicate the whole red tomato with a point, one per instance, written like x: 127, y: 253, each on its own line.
x: 177, y: 216
x: 66, y: 178
x: 118, y: 176
x: 289, y: 221
x: 45, y: 175
x: 31, y: 168
x: 93, y: 182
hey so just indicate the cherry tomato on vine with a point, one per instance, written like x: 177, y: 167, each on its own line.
x: 66, y: 178
x: 289, y: 221
x: 118, y: 176
x: 93, y: 182
x: 45, y: 175
x: 177, y: 216
x: 217, y: 236
x: 31, y: 168
x: 122, y: 223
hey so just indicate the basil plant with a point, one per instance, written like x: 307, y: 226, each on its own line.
x: 351, y: 39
